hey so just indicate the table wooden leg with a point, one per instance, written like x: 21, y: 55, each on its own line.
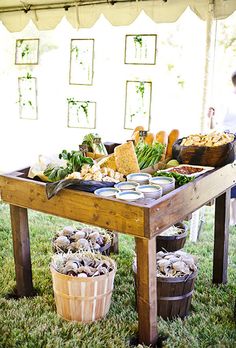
x: 146, y: 290
x: 115, y: 243
x: 21, y: 246
x: 221, y: 238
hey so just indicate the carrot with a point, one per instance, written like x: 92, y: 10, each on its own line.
x: 173, y: 136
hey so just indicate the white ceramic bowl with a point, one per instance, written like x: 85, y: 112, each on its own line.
x: 127, y: 186
x: 167, y: 184
x: 107, y: 192
x: 150, y: 191
x: 129, y: 196
x: 140, y: 178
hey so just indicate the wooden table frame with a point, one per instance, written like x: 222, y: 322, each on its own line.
x: 143, y: 219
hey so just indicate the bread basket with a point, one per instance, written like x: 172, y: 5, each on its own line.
x: 214, y: 156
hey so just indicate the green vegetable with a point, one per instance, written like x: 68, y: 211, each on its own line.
x: 55, y: 173
x: 148, y: 155
x: 74, y: 162
x: 180, y: 179
x: 92, y: 147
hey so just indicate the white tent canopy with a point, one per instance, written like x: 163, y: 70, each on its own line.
x: 46, y: 14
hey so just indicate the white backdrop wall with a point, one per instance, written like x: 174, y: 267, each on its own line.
x: 175, y: 104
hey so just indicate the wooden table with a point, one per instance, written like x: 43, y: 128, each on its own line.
x: 143, y: 219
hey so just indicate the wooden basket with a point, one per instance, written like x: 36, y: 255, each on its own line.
x: 172, y: 243
x: 104, y: 250
x: 174, y: 296
x: 82, y: 299
x: 216, y: 156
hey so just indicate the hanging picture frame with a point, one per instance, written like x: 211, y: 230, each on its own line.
x: 141, y: 49
x: 81, y: 62
x: 81, y: 114
x: 27, y: 87
x: 27, y: 52
x: 138, y: 104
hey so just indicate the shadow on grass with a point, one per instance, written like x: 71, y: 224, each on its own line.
x: 134, y: 342
x: 14, y: 296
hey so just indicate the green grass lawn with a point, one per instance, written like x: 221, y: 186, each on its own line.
x: 33, y: 322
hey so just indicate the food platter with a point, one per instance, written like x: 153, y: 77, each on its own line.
x: 189, y: 170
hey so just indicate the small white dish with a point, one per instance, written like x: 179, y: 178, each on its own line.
x: 140, y: 178
x: 167, y: 184
x: 129, y: 196
x: 127, y: 185
x: 150, y: 191
x: 107, y: 192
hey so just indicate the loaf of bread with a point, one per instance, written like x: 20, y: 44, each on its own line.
x: 149, y: 138
x: 135, y: 137
x: 126, y: 159
x: 173, y: 136
x: 137, y: 129
x: 162, y: 138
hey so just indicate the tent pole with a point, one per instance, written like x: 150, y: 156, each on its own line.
x: 206, y: 82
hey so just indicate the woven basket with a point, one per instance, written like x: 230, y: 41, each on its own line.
x: 82, y: 299
x: 216, y: 156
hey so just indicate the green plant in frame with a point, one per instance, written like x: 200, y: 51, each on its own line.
x: 74, y: 103
x: 84, y: 107
x: 140, y: 89
x: 26, y: 101
x: 79, y: 106
x: 24, y: 47
x: 75, y: 50
x: 138, y: 40
x: 131, y: 117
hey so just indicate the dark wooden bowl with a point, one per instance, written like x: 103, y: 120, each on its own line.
x: 216, y: 156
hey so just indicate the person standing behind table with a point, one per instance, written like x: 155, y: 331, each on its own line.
x: 228, y: 124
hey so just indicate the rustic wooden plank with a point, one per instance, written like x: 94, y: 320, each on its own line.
x: 75, y: 205
x: 174, y: 206
x: 21, y: 247
x: 221, y: 238
x: 146, y: 290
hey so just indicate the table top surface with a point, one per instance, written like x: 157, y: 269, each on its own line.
x: 144, y: 218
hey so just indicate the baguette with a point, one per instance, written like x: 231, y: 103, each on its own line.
x: 149, y: 139
x: 162, y: 138
x: 135, y: 137
x: 137, y: 129
x: 173, y: 136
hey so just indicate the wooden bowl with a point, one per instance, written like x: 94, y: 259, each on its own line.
x: 216, y: 156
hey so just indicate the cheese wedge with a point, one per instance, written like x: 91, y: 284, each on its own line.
x: 108, y: 161
x: 126, y: 159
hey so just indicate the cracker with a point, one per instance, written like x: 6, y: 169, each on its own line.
x: 126, y: 159
x: 108, y: 162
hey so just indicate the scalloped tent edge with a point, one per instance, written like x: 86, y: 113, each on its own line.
x: 83, y: 14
